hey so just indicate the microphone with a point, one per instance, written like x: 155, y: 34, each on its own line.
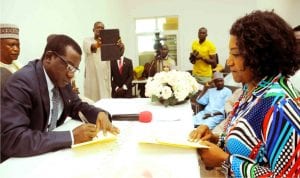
x: 145, y: 116
x: 125, y: 117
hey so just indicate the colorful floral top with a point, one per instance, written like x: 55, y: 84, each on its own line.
x: 263, y: 137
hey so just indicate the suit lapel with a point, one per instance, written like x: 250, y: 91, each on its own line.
x: 43, y: 89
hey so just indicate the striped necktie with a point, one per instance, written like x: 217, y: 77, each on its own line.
x: 54, y: 110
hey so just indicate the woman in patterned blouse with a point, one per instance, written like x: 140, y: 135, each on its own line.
x: 262, y: 135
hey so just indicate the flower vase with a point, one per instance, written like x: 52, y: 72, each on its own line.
x: 171, y: 101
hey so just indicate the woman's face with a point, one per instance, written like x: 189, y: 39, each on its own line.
x: 235, y: 61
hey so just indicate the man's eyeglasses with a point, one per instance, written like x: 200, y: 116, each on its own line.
x: 70, y: 67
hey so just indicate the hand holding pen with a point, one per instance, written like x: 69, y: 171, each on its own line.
x: 84, y: 132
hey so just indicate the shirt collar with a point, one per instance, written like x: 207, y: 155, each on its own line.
x: 265, y: 83
x: 50, y: 84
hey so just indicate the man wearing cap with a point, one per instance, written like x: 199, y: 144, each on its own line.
x: 10, y: 50
x: 214, y: 100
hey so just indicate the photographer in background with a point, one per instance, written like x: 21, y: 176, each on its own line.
x: 164, y: 62
x: 203, y: 57
x: 161, y: 62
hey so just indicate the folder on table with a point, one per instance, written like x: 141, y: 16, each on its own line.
x: 98, y: 140
x: 174, y: 143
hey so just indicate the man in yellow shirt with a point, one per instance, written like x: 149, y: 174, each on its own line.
x: 203, y: 57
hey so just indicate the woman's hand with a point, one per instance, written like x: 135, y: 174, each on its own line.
x: 202, y: 132
x: 212, y: 156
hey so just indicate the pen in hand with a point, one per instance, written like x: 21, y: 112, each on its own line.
x: 84, y: 119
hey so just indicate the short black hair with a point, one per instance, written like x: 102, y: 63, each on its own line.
x: 267, y: 43
x: 202, y: 28
x: 98, y: 23
x: 59, y: 42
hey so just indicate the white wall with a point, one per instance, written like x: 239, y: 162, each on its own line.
x: 287, y: 9
x: 216, y: 15
x: 39, y: 18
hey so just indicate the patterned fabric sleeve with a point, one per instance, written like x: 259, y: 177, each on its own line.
x: 263, y: 135
x: 281, y: 137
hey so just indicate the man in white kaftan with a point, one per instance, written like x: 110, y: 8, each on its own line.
x: 97, y: 76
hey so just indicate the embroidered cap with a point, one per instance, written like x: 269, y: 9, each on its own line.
x: 9, y: 31
x: 218, y: 75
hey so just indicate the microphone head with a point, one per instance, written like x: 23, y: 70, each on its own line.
x: 145, y: 116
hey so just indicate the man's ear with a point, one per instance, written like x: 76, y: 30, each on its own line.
x: 48, y: 57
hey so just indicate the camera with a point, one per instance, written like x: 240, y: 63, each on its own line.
x: 193, y: 56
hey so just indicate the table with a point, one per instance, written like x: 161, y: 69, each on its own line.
x: 124, y: 158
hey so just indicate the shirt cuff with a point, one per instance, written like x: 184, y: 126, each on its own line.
x: 72, y: 137
x: 124, y: 87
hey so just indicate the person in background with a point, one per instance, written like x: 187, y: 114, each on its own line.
x: 164, y: 62
x: 97, y: 76
x: 10, y: 50
x: 161, y: 62
x: 203, y: 57
x: 228, y: 107
x: 261, y: 137
x: 39, y: 97
x: 213, y: 101
x: 121, y: 76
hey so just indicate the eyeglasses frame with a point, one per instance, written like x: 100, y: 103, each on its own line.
x: 69, y: 67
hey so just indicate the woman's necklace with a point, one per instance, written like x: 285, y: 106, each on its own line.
x: 246, y: 95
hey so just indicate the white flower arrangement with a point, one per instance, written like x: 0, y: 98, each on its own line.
x: 171, y: 87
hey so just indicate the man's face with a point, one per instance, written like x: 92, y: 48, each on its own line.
x: 202, y: 33
x: 164, y: 51
x: 219, y: 83
x: 56, y: 66
x: 97, y: 28
x: 10, y: 50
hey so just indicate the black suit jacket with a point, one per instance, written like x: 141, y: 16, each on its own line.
x: 118, y: 80
x: 4, y: 74
x: 25, y: 112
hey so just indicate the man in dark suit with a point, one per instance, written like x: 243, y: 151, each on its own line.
x: 121, y: 77
x: 32, y: 110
